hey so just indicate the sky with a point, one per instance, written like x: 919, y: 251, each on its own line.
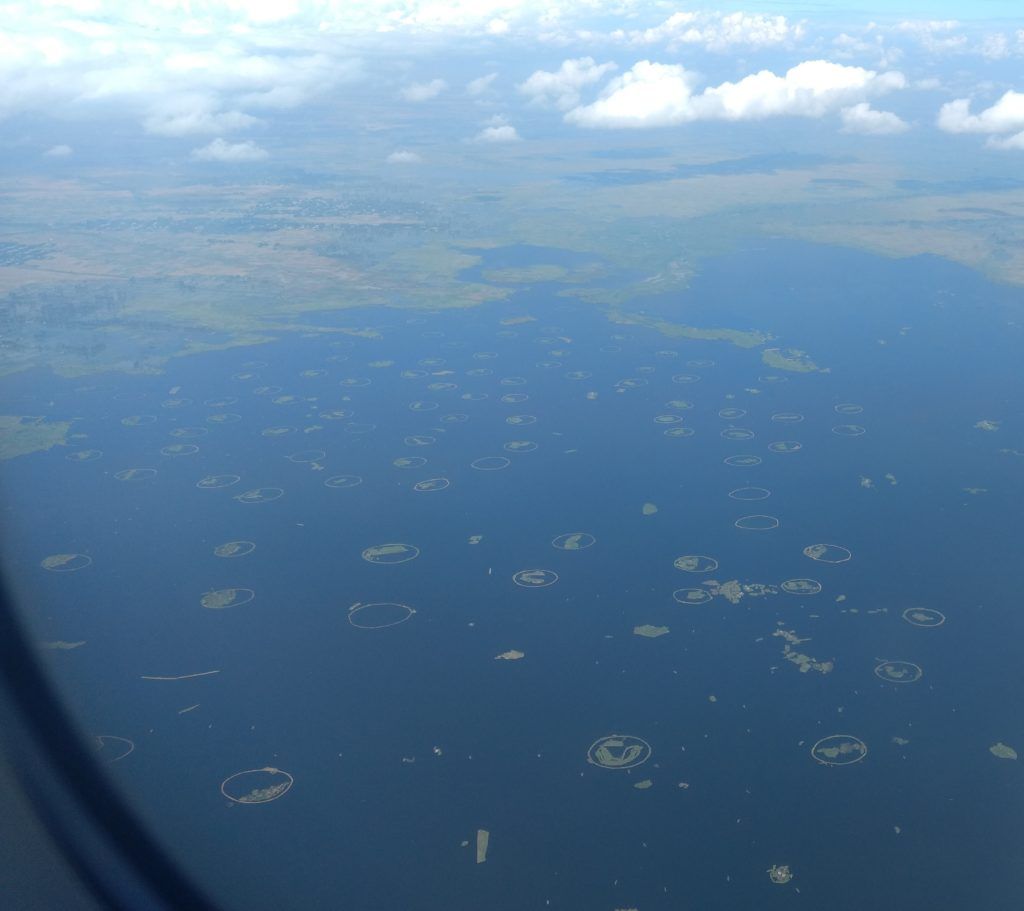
x: 214, y: 79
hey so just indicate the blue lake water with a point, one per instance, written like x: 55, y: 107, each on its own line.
x: 404, y: 741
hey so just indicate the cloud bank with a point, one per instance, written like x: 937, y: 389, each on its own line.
x: 238, y: 152
x: 561, y: 88
x: 1004, y: 117
x: 658, y: 94
x: 424, y: 91
x: 717, y: 31
x: 862, y: 118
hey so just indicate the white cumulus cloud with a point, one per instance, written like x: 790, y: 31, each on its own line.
x: 188, y: 114
x: 718, y: 31
x: 424, y: 91
x: 561, y: 88
x: 937, y: 36
x: 658, y: 94
x: 403, y: 157
x: 862, y: 118
x: 497, y: 129
x: 1004, y: 117
x: 650, y: 94
x: 61, y: 151
x: 220, y: 150
x: 480, y: 85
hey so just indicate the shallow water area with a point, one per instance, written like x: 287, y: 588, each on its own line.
x: 366, y: 665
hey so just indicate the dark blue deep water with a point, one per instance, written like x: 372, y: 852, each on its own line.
x: 927, y: 348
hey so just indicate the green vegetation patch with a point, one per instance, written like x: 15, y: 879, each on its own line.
x: 23, y: 434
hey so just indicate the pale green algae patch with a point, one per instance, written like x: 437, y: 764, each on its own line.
x: 22, y: 435
x: 750, y: 338
x: 1002, y: 751
x: 792, y: 359
x: 650, y: 631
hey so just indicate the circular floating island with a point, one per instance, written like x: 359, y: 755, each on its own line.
x: 619, y: 751
x: 65, y: 563
x: 342, y: 481
x: 668, y: 418
x: 731, y: 414
x: 577, y: 540
x: 849, y: 430
x: 423, y: 406
x: 899, y: 672
x: 521, y: 419
x: 110, y: 748
x: 828, y: 553
x: 680, y: 432
x: 686, y: 378
x: 535, y: 578
x: 692, y: 595
x: 432, y: 484
x: 256, y: 785
x: 418, y: 439
x: 737, y: 433
x: 519, y: 446
x: 390, y: 553
x: 801, y: 586
x: 742, y: 461
x: 188, y: 433
x: 924, y: 616
x: 780, y: 874
x: 695, y: 563
x: 281, y: 431
x: 216, y: 481
x: 750, y: 493
x: 757, y: 523
x: 227, y: 597
x: 135, y: 474
x: 787, y: 417
x: 839, y: 749
x: 490, y: 463
x: 847, y: 408
x: 138, y: 420
x: 260, y: 495
x: 224, y: 418
x: 84, y: 455
x: 379, y: 615
x: 179, y: 449
x: 409, y: 462
x: 234, y: 549
x: 785, y: 446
